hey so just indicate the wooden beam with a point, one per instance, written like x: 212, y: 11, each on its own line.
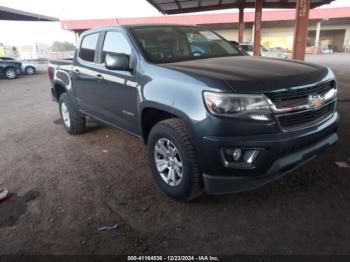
x: 301, y: 28
x: 257, y: 26
x: 241, y: 25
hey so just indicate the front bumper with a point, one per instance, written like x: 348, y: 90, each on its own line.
x: 283, y: 153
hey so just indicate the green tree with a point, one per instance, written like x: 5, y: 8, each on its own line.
x: 62, y: 46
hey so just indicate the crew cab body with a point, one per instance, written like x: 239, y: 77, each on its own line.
x: 248, y: 120
x: 9, y: 68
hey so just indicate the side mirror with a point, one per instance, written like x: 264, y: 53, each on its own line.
x: 117, y: 62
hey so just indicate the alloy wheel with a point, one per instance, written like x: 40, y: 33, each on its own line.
x: 65, y: 115
x: 11, y: 74
x: 168, y: 162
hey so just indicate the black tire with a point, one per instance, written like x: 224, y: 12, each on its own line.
x: 30, y: 70
x: 191, y: 184
x: 76, y: 119
x: 10, y: 73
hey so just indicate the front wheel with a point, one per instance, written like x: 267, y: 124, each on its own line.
x: 10, y: 73
x: 73, y: 121
x: 30, y: 70
x: 173, y: 160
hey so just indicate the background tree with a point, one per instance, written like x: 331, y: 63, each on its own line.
x: 62, y: 46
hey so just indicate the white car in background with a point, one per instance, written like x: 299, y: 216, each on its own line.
x: 264, y: 51
x: 29, y: 67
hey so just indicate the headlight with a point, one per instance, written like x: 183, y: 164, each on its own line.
x: 238, y: 105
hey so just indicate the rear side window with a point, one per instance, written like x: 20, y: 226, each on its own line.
x: 88, y: 47
x: 115, y: 43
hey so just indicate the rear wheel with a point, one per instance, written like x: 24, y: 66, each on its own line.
x: 10, y: 73
x: 29, y: 70
x: 73, y: 121
x: 173, y: 160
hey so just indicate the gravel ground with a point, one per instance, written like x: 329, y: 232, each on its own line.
x: 65, y: 187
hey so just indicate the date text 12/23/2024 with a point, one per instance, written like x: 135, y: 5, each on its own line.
x: 173, y: 258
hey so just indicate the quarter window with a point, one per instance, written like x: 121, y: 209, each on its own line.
x: 115, y: 43
x: 88, y: 47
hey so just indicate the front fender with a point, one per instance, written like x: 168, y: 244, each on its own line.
x: 166, y: 108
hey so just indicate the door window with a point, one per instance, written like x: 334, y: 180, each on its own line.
x: 88, y: 47
x: 115, y: 43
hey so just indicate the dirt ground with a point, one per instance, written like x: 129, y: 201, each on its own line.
x: 65, y: 187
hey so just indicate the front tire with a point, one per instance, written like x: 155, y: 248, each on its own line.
x: 29, y: 70
x: 173, y: 160
x: 10, y: 73
x: 73, y: 121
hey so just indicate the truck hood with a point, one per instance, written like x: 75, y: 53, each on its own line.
x: 245, y: 74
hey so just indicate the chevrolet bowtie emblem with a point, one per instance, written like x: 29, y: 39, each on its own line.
x: 316, y: 101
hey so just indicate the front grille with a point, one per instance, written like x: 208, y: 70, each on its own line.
x: 299, y: 96
x: 305, y: 118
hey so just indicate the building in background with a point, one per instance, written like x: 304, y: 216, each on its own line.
x: 10, y: 51
x: 328, y: 27
x: 34, y: 51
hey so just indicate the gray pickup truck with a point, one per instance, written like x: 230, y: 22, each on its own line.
x: 213, y: 119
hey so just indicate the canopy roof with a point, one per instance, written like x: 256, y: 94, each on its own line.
x: 334, y: 15
x: 17, y: 15
x: 188, y: 6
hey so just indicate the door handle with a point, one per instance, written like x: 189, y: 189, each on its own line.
x: 99, y: 76
x: 77, y: 71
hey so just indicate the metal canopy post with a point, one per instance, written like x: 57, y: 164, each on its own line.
x: 257, y: 26
x: 301, y: 26
x: 241, y: 25
x: 317, y: 39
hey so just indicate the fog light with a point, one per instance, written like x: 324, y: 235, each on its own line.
x: 242, y: 158
x: 250, y: 156
x: 237, y: 153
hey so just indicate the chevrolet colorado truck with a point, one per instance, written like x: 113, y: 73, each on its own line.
x: 213, y: 119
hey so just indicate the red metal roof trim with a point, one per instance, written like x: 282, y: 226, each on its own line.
x: 224, y: 18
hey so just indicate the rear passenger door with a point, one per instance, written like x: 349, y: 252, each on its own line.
x: 117, y: 92
x: 84, y: 76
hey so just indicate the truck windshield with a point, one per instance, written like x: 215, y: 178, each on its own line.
x: 166, y: 44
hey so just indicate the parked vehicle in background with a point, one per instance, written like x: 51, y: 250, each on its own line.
x: 29, y: 67
x: 264, y: 51
x: 327, y: 49
x: 278, y: 49
x: 10, y: 69
x: 211, y: 117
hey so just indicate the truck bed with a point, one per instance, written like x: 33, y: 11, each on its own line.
x: 59, y: 62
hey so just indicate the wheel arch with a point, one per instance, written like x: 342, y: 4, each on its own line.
x: 9, y: 67
x: 152, y: 113
x: 30, y: 66
x: 58, y: 90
